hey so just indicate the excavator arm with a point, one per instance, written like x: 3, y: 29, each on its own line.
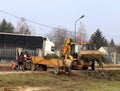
x: 67, y: 47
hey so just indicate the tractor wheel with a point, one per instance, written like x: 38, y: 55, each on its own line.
x: 33, y: 67
x: 14, y: 66
x: 74, y: 65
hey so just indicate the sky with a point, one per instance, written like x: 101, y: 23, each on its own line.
x: 102, y: 14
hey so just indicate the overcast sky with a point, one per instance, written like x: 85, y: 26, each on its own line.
x: 102, y: 14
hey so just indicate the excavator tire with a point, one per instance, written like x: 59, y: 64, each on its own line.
x: 74, y: 65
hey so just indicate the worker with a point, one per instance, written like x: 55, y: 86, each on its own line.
x: 20, y: 61
x: 25, y: 56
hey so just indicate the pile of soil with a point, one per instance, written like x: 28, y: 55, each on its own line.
x: 103, y: 74
x: 7, y: 89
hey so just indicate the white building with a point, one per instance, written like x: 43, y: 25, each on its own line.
x: 109, y: 51
x: 48, y: 47
x: 103, y: 50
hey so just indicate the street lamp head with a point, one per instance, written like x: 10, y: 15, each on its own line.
x: 82, y: 16
x: 75, y: 24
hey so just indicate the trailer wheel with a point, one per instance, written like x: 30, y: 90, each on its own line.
x: 56, y: 70
x: 93, y: 65
x: 44, y: 67
x: 67, y: 71
x: 33, y: 66
x: 85, y: 67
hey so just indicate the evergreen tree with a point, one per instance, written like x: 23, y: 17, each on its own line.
x: 112, y: 44
x: 105, y: 42
x: 97, y: 40
x: 118, y: 49
x: 6, y: 27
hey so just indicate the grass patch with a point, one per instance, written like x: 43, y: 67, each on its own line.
x: 80, y: 81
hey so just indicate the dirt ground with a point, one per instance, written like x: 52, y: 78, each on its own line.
x: 79, y: 80
x: 48, y: 81
x: 5, y: 68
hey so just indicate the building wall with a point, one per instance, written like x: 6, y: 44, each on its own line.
x: 8, y: 41
x: 48, y: 47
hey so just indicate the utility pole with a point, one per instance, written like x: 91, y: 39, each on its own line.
x: 76, y: 22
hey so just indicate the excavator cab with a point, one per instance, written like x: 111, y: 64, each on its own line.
x: 76, y: 47
x: 73, y: 48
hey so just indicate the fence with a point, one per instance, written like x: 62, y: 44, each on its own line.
x: 118, y: 58
x: 7, y: 54
x: 109, y: 59
x: 31, y: 52
x: 11, y: 54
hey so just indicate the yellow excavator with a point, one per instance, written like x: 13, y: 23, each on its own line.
x: 80, y: 55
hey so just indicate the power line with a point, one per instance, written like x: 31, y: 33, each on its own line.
x: 27, y: 20
x: 110, y: 36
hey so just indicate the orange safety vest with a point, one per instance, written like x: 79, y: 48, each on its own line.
x: 25, y: 57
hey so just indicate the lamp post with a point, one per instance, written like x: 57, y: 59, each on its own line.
x: 76, y: 22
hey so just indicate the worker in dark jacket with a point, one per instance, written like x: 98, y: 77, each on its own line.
x: 20, y: 61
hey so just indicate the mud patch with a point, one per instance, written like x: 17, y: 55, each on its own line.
x: 5, y: 68
x: 26, y: 89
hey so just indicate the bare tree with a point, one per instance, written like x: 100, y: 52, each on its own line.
x: 58, y: 36
x: 82, y: 36
x: 32, y: 30
x: 23, y: 28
